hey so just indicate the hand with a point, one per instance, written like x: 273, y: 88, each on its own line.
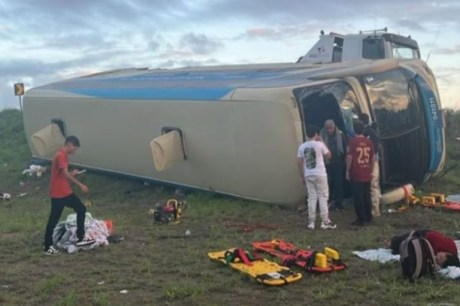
x: 84, y: 188
x: 74, y: 172
x: 347, y: 176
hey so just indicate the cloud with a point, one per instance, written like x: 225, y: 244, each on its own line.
x: 410, y: 25
x: 448, y: 51
x: 199, y: 43
x: 45, y: 40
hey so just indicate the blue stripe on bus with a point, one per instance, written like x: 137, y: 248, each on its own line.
x: 434, y: 119
x: 154, y: 93
x: 194, y: 76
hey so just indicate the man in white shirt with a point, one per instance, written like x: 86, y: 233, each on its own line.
x: 312, y: 171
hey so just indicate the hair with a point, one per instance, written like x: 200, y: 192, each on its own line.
x: 329, y: 122
x: 358, y: 127
x: 451, y: 260
x: 72, y: 140
x: 311, y: 131
x: 364, y: 118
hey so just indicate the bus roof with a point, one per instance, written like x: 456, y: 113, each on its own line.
x: 201, y: 83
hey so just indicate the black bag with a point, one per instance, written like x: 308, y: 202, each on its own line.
x: 417, y: 257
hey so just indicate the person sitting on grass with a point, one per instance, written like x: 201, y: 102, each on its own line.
x: 443, y: 247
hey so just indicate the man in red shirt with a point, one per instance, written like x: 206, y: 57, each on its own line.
x: 443, y: 247
x: 360, y: 162
x: 61, y: 195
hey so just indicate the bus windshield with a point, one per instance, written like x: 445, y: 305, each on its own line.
x: 396, y: 112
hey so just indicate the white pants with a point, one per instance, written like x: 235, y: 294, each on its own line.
x: 317, y: 190
x: 375, y: 190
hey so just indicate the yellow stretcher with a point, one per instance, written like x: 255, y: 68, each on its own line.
x: 262, y: 270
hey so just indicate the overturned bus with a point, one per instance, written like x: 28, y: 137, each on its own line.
x: 235, y: 129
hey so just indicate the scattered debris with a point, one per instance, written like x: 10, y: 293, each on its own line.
x: 124, y: 291
x: 5, y: 196
x: 101, y: 283
x: 114, y: 238
x: 34, y: 169
x: 171, y: 212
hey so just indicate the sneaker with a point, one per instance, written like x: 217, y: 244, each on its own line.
x: 85, y: 242
x: 51, y: 251
x: 311, y: 225
x: 328, y: 225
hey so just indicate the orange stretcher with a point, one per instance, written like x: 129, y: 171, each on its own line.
x: 311, y: 261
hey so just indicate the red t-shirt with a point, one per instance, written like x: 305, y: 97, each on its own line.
x: 59, y: 184
x: 441, y: 243
x: 362, y: 153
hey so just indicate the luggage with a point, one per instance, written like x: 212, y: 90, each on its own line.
x: 417, y: 257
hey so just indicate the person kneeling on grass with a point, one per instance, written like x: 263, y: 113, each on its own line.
x: 444, y: 247
x: 61, y: 195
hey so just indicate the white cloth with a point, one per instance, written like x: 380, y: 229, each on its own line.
x: 35, y: 169
x: 313, y: 152
x: 65, y: 233
x: 381, y: 255
x: 385, y: 255
x: 318, y: 189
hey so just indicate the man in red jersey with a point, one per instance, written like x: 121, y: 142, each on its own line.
x: 360, y: 162
x: 443, y: 247
x: 61, y: 195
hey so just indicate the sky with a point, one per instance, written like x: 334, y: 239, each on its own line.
x: 45, y: 41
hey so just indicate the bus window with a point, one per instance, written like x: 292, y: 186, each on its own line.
x: 335, y: 101
x: 391, y: 103
x: 399, y: 114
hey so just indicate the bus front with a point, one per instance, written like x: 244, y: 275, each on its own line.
x: 405, y: 106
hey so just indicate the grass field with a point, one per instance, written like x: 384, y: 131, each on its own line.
x: 160, y: 265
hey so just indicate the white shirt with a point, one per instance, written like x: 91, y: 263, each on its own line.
x: 313, y: 153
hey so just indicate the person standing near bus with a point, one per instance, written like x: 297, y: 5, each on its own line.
x: 61, y: 195
x: 373, y: 135
x: 312, y: 172
x: 360, y: 161
x: 336, y: 142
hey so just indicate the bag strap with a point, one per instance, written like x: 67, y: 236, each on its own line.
x: 433, y: 266
x: 418, y: 248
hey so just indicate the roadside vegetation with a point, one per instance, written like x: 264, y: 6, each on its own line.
x: 160, y: 265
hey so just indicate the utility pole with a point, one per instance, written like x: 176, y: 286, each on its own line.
x: 19, y: 91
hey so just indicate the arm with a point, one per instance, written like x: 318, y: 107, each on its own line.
x: 71, y: 178
x: 326, y: 151
x: 348, y: 162
x: 300, y: 169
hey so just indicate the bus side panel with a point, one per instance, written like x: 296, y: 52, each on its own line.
x: 244, y: 148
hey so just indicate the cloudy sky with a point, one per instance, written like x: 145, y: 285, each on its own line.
x: 43, y: 41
